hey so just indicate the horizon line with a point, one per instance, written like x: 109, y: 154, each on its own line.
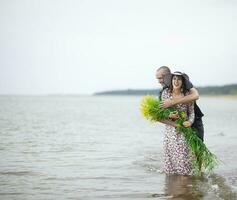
x: 91, y: 94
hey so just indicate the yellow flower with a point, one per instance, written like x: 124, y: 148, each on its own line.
x: 147, y: 106
x: 144, y: 106
x: 183, y: 115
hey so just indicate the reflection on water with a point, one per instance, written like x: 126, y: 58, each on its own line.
x: 183, y: 187
x: 210, y: 187
x: 206, y: 187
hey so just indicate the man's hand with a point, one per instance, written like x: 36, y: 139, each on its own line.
x: 193, y: 96
x: 166, y: 103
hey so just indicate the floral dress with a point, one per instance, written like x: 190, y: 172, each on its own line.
x: 176, y: 152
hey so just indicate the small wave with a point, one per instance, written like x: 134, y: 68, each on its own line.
x: 219, y: 134
x: 17, y: 173
x: 151, y: 163
x: 220, y: 187
x: 10, y: 193
x: 87, y: 178
x: 21, y: 173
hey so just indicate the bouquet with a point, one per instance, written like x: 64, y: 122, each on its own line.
x: 150, y: 109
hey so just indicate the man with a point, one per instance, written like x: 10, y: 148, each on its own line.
x: 163, y: 71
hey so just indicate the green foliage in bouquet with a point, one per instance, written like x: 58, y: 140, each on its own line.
x: 203, y: 158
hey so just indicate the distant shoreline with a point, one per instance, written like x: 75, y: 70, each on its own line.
x: 225, y: 90
x: 233, y: 96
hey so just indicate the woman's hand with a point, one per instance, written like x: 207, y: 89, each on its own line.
x: 174, y: 115
x: 187, y: 123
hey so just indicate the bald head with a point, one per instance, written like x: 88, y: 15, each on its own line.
x: 160, y: 74
x: 165, y: 69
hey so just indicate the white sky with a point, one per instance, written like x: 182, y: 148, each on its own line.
x: 85, y: 46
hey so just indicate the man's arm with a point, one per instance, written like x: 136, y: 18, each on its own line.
x: 192, y: 96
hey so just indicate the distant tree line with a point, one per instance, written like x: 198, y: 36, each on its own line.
x: 219, y: 90
x: 208, y: 90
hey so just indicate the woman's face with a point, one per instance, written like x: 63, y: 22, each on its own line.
x: 177, y: 82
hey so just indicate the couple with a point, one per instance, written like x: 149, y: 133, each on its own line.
x: 178, y: 91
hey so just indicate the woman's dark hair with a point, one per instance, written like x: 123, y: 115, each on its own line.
x: 184, y: 89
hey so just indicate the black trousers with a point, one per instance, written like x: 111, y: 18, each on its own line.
x: 198, y: 126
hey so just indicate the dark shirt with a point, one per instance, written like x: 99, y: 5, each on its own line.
x: 197, y: 111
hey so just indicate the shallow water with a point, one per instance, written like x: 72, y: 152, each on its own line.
x: 95, y: 147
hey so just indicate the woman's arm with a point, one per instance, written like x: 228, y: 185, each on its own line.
x: 192, y: 96
x: 191, y: 115
x: 168, y: 122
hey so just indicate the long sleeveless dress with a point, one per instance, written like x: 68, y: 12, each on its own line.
x: 176, y: 152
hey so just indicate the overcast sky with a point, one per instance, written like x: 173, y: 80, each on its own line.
x: 85, y: 46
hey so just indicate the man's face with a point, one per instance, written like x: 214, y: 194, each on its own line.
x: 160, y: 77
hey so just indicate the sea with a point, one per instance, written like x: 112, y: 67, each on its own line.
x: 101, y: 147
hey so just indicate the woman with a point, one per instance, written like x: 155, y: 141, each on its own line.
x: 176, y: 152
